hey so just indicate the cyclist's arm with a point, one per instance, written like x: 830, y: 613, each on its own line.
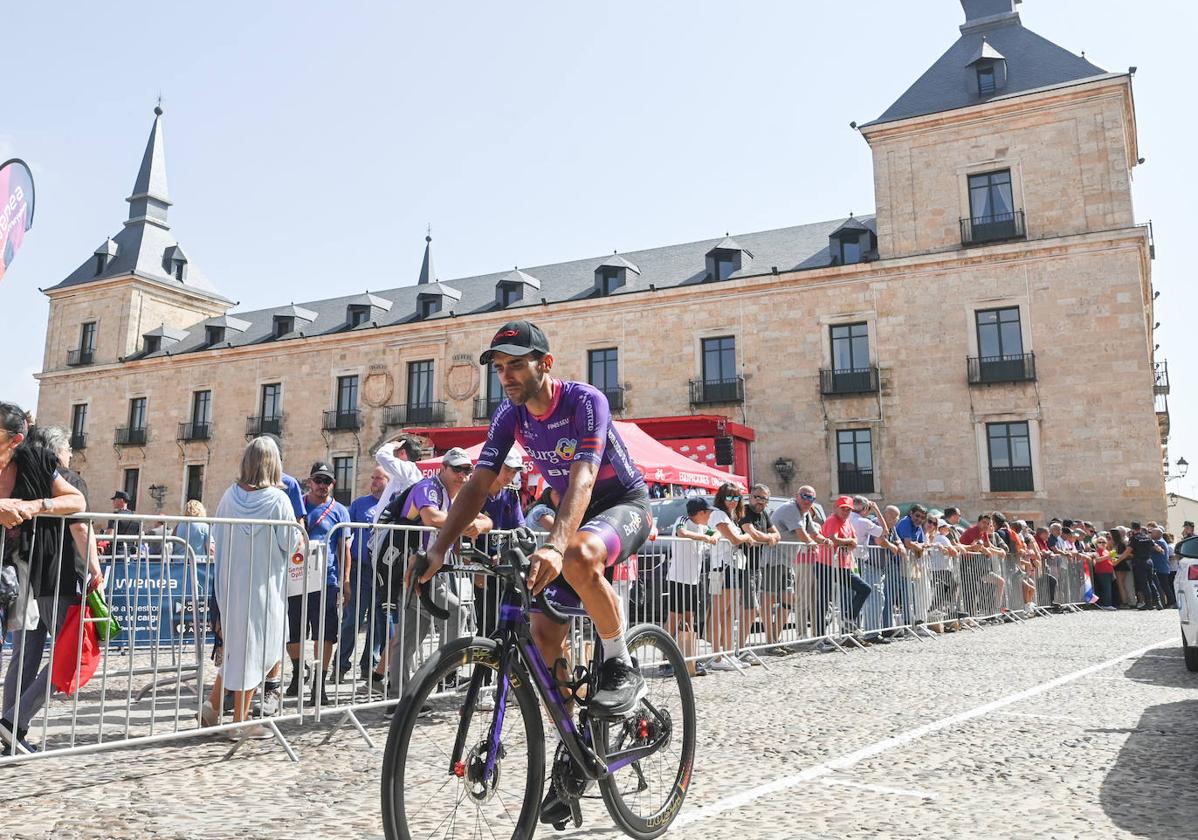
x: 574, y: 505
x: 461, y: 514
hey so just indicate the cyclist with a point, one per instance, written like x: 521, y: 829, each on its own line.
x: 565, y: 427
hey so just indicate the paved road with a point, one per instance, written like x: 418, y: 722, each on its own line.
x: 1043, y: 729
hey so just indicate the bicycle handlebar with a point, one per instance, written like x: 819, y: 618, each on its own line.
x: 515, y: 558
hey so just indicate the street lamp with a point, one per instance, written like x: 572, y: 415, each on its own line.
x: 1183, y: 467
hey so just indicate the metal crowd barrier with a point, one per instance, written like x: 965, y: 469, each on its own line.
x: 724, y: 606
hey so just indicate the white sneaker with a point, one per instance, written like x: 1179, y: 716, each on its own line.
x: 486, y: 701
x: 720, y: 663
x: 257, y: 732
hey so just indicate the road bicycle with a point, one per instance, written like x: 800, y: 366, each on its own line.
x: 451, y: 769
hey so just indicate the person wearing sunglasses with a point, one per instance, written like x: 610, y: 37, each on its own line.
x: 729, y: 584
x: 799, y: 521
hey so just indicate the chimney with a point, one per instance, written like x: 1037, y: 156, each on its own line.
x: 981, y: 14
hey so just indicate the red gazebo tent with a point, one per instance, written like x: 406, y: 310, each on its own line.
x: 656, y: 461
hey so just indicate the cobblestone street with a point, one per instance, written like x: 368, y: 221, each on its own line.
x: 1042, y: 729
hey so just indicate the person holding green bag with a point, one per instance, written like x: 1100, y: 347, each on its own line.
x: 55, y: 582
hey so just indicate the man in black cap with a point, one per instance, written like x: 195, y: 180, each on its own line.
x: 565, y: 428
x: 1141, y: 568
x: 127, y: 528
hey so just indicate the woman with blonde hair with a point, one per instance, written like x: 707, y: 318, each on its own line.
x: 251, y: 581
x: 197, y: 535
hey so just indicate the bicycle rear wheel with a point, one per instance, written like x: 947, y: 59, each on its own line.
x: 644, y: 797
x: 422, y: 795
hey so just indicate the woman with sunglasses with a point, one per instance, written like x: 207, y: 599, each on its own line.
x: 729, y: 585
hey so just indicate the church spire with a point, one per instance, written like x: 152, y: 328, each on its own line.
x: 149, y: 201
x: 427, y: 273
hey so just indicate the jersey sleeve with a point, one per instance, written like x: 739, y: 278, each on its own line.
x: 592, y: 421
x: 500, y: 436
x: 424, y: 494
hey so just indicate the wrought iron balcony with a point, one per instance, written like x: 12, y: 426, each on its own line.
x: 1160, y: 383
x: 132, y: 436
x: 484, y: 407
x: 1010, y: 479
x: 414, y: 414
x: 988, y: 370
x: 195, y: 431
x: 615, y: 398
x: 78, y: 441
x: 1161, y: 405
x: 858, y: 381
x: 78, y: 358
x: 855, y: 481
x: 717, y: 391
x: 255, y: 426
x: 980, y: 230
x: 342, y: 421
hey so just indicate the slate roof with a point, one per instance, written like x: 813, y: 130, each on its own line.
x: 1033, y: 63
x: 798, y: 248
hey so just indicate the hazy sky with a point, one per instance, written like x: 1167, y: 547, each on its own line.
x: 308, y: 145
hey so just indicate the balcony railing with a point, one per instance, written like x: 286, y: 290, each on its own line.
x: 859, y: 381
x: 855, y: 481
x: 414, y: 414
x: 716, y: 391
x: 78, y: 441
x: 1160, y: 383
x: 131, y: 436
x: 987, y: 370
x: 195, y: 431
x: 1010, y: 479
x: 255, y: 426
x: 1161, y: 405
x: 342, y: 421
x: 76, y: 358
x: 484, y: 407
x: 615, y: 398
x: 982, y: 229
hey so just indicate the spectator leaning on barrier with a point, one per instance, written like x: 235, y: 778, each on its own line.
x: 729, y: 589
x: 910, y: 532
x: 1104, y: 574
x: 543, y: 514
x: 766, y: 577
x: 799, y: 521
x: 324, y: 514
x: 939, y: 561
x: 250, y: 580
x: 361, y: 611
x: 872, y: 566
x: 55, y: 588
x: 695, y: 536
x: 835, y: 568
x: 981, y: 588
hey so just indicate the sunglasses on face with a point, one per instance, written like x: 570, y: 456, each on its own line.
x: 761, y: 498
x: 732, y: 499
x: 807, y: 498
x: 321, y: 480
x: 463, y: 470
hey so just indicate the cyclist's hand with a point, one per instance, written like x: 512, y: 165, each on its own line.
x: 546, y: 565
x: 436, y: 559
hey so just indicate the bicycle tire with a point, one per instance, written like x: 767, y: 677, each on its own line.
x: 654, y: 825
x: 458, y: 654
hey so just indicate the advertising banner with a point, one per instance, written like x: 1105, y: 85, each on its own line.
x: 154, y: 601
x: 16, y: 211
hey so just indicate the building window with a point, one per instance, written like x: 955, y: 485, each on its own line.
x: 214, y: 335
x: 427, y: 306
x: 719, y: 359
x: 609, y: 280
x: 725, y: 265
x: 101, y: 263
x: 494, y: 388
x: 1010, y: 452
x: 999, y: 333
x: 284, y: 324
x: 603, y: 368
x: 87, y: 339
x: 272, y: 404
x: 509, y: 293
x: 201, y: 415
x: 850, y: 348
x: 420, y: 384
x: 990, y: 197
x: 347, y: 394
x: 850, y: 250
x: 358, y: 315
x: 179, y: 265
x: 151, y: 343
x: 137, y: 414
x: 79, y: 426
x: 987, y: 80
x: 195, y: 482
x: 129, y: 485
x: 855, y: 461
x: 343, y: 475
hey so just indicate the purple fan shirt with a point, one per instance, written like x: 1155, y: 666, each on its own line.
x: 577, y: 427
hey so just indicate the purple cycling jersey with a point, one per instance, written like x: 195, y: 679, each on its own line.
x: 577, y: 427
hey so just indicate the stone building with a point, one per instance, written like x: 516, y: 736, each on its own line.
x: 960, y: 347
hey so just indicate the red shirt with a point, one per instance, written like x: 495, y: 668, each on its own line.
x: 836, y: 527
x: 1103, y: 563
x: 972, y: 534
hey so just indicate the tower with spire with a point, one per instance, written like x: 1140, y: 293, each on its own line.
x: 138, y: 280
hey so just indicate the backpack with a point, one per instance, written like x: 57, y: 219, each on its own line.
x: 389, y: 549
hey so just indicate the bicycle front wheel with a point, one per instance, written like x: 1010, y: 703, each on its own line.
x: 645, y: 796
x: 428, y: 795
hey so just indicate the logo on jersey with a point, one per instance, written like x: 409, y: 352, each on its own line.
x: 558, y: 424
x: 566, y: 448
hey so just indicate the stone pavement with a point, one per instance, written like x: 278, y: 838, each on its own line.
x: 798, y: 750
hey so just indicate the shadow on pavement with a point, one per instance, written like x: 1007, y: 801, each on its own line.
x: 1149, y: 790
x: 1162, y: 667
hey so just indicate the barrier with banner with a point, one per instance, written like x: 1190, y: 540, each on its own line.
x: 158, y: 601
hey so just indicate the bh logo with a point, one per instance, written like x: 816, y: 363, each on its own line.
x: 565, y: 448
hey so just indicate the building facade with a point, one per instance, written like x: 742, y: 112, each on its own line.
x: 959, y: 347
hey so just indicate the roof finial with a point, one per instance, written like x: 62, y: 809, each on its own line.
x: 158, y: 107
x: 428, y: 232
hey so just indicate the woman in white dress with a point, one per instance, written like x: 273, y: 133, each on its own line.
x: 251, y: 580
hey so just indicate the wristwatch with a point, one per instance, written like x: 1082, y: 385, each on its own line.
x: 47, y: 505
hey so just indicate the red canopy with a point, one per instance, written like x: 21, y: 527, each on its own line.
x: 656, y: 461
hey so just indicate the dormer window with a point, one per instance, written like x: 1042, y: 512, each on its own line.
x: 101, y: 263
x: 513, y: 287
x: 152, y: 344
x: 850, y: 250
x: 613, y: 274
x: 989, y: 68
x: 987, y: 82
x: 725, y: 259
x: 363, y: 309
x: 358, y: 315
x: 214, y: 335
x: 509, y: 295
x: 104, y: 255
x: 175, y: 263
x: 283, y: 324
x: 610, y: 279
x: 852, y: 242
x: 427, y: 306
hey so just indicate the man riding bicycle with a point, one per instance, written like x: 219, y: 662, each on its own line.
x: 604, y: 517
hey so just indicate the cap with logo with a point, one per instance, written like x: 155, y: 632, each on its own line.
x: 321, y: 468
x: 455, y: 457
x: 516, y: 338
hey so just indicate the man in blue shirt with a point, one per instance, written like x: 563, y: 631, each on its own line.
x: 361, y: 585
x: 324, y: 514
x: 1160, y: 565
